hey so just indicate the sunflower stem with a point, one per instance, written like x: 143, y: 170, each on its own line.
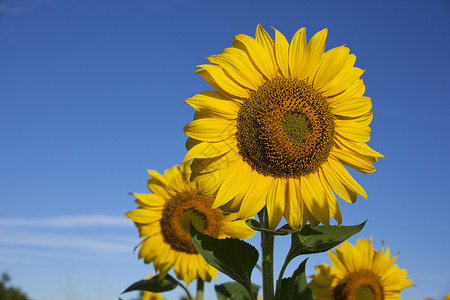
x: 200, y: 285
x: 186, y: 290
x: 280, y: 277
x: 267, y: 240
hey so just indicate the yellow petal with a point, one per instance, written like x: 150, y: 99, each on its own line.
x: 334, y: 258
x: 335, y: 211
x: 356, y: 89
x: 190, y: 142
x: 216, y: 179
x: 343, y: 74
x: 216, y: 77
x: 211, y: 129
x: 255, y: 200
x: 343, y: 81
x: 332, y: 64
x: 157, y: 184
x: 207, y: 150
x: 242, y: 188
x: 345, y: 177
x: 314, y: 198
x: 143, y: 215
x: 258, y: 55
x: 237, y: 229
x: 235, y: 68
x: 276, y: 202
x: 360, y: 148
x: 338, y: 187
x: 228, y: 188
x: 216, y: 104
x: 297, y: 53
x: 354, y: 131
x: 151, y: 229
x: 357, y: 162
x: 282, y: 53
x: 264, y: 39
x: 293, y: 211
x: 150, y: 200
x: 316, y: 47
x: 251, y: 72
x: 206, y: 165
x: 353, y: 107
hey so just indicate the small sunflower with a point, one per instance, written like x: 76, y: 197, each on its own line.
x: 359, y: 273
x: 163, y: 219
x: 151, y: 296
x: 281, y: 124
x: 146, y: 295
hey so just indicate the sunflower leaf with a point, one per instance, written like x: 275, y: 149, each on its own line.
x: 232, y: 257
x: 284, y: 230
x: 154, y: 285
x: 295, y: 287
x: 234, y: 291
x: 316, y: 239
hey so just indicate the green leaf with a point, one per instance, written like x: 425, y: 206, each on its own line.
x: 255, y: 225
x: 154, y: 285
x: 286, y: 229
x: 234, y: 291
x: 233, y: 257
x: 283, y: 230
x: 295, y: 287
x: 315, y: 239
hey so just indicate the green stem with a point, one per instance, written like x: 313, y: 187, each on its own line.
x: 186, y: 290
x: 200, y: 285
x: 280, y: 277
x: 267, y: 240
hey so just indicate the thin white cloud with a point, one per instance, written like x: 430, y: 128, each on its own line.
x: 68, y: 221
x: 62, y: 241
x: 82, y: 236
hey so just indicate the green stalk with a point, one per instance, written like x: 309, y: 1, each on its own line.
x: 200, y: 285
x: 186, y: 290
x: 267, y: 240
x: 280, y: 277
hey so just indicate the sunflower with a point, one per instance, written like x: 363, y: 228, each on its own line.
x: 146, y: 295
x: 151, y: 296
x: 279, y: 127
x: 360, y: 272
x: 163, y: 219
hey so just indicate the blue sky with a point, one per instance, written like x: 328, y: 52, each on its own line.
x: 92, y: 94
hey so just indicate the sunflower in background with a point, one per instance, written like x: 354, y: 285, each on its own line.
x: 151, y: 296
x: 359, y: 272
x: 281, y: 124
x: 163, y: 219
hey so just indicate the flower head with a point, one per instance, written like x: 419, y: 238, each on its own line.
x: 163, y: 219
x: 279, y: 127
x: 151, y: 296
x: 359, y: 272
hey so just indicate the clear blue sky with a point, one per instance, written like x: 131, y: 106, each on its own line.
x: 92, y: 94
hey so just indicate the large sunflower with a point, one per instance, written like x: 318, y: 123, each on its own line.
x: 163, y: 219
x: 359, y: 273
x: 279, y: 128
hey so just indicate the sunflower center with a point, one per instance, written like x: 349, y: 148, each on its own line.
x: 285, y: 129
x: 296, y: 126
x: 360, y: 285
x: 180, y: 212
